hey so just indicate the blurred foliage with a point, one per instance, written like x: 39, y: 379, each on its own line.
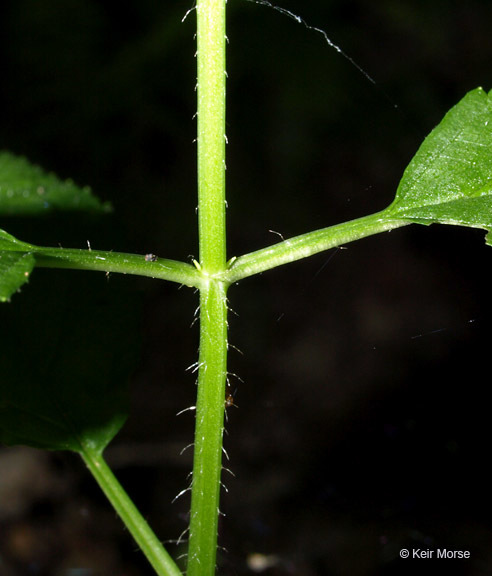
x: 26, y: 189
x: 65, y: 364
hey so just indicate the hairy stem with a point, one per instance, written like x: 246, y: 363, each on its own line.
x: 212, y: 372
x: 118, y: 262
x: 211, y: 133
x: 207, y: 464
x: 308, y: 244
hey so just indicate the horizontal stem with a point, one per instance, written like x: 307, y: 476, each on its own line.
x: 308, y: 244
x: 244, y: 266
x: 136, y: 264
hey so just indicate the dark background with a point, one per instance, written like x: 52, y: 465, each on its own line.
x: 362, y: 417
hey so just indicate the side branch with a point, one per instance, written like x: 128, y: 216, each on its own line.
x: 135, y: 264
x: 307, y: 245
x: 156, y: 554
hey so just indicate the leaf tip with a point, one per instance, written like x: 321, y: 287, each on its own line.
x: 488, y: 238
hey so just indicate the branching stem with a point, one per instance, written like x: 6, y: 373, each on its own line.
x: 207, y: 463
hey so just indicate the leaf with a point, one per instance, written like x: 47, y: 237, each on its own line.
x: 449, y: 180
x: 65, y: 355
x: 26, y: 189
x: 8, y: 242
x: 16, y: 264
x: 15, y: 269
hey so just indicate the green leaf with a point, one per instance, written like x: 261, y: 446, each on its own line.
x: 15, y: 268
x: 8, y: 242
x: 16, y: 264
x: 65, y: 355
x: 26, y: 189
x: 449, y: 181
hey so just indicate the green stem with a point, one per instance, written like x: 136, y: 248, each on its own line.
x: 211, y: 133
x: 147, y: 541
x: 308, y: 244
x: 212, y: 372
x: 98, y: 260
x: 207, y: 464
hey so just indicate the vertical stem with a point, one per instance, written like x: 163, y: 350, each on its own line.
x: 212, y: 373
x: 207, y: 464
x: 211, y: 133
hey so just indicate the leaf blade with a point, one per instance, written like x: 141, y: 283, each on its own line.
x: 64, y: 367
x: 449, y: 180
x: 15, y: 269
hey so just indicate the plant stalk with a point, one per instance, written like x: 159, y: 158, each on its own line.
x: 309, y: 244
x: 147, y: 541
x: 211, y: 133
x: 212, y: 373
x: 207, y: 466
x: 137, y: 264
